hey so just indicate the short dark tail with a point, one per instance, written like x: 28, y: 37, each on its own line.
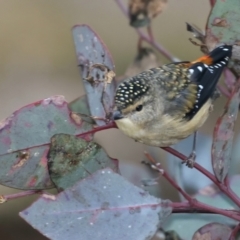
x: 206, y: 72
x: 222, y: 53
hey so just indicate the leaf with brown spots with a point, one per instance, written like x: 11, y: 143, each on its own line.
x: 25, y: 138
x: 97, y: 71
x: 72, y: 158
x: 223, y: 136
x: 223, y: 24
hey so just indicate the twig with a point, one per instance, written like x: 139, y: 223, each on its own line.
x: 5, y: 198
x: 185, y: 207
x: 209, y: 175
x: 149, y: 39
x: 98, y: 129
x: 192, y: 203
x: 224, y: 91
x: 159, y: 47
x: 169, y: 179
x: 150, y: 33
x: 196, y: 43
x: 227, y: 182
x: 229, y: 79
x: 181, y: 156
x: 230, y: 191
x: 212, y: 2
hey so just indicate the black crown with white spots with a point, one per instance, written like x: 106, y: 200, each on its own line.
x: 130, y: 91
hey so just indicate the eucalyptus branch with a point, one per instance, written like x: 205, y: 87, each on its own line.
x: 186, y: 207
x: 5, y: 198
x: 229, y: 79
x: 223, y: 91
x: 149, y: 39
x: 222, y: 186
x: 111, y: 124
x: 209, y: 175
x: 167, y: 177
x: 212, y: 2
x: 192, y: 202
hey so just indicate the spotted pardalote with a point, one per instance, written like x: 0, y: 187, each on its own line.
x: 163, y: 105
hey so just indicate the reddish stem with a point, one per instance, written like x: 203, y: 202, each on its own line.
x: 5, y: 198
x: 212, y: 2
x: 209, y: 175
x: 224, y: 91
x: 150, y: 33
x: 111, y: 124
x: 186, y: 207
x: 158, y: 46
x: 229, y: 79
x: 227, y: 182
x: 192, y: 203
x: 169, y: 179
x: 230, y: 191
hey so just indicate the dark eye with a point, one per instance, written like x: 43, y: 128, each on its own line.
x: 139, y: 108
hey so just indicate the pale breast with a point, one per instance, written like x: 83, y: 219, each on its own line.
x: 167, y: 131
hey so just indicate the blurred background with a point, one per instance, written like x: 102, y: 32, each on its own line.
x: 38, y: 60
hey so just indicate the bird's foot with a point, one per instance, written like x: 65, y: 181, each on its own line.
x: 190, y: 160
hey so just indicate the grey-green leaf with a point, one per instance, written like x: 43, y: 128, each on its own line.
x: 102, y: 206
x: 72, y: 158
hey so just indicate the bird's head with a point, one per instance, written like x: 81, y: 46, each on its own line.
x: 134, y: 103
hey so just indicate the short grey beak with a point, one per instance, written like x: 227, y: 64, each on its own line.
x: 116, y: 115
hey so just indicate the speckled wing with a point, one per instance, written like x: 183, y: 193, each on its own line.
x: 188, y: 86
x: 184, y: 86
x: 177, y: 88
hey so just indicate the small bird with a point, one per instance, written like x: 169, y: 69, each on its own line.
x: 164, y: 105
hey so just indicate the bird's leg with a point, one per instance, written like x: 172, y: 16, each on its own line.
x: 192, y: 157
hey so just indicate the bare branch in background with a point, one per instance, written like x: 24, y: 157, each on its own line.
x: 5, y: 198
x: 149, y: 39
x: 212, y: 2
